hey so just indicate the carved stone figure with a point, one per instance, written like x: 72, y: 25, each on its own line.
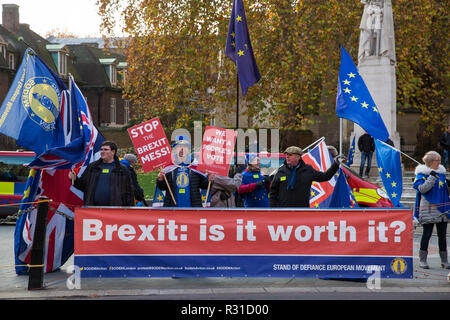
x: 377, y: 30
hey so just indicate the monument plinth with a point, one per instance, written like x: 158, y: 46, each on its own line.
x: 376, y: 65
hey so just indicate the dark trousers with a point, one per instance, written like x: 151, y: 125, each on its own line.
x: 364, y: 156
x: 441, y: 228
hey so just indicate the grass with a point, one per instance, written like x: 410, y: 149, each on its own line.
x: 147, y: 181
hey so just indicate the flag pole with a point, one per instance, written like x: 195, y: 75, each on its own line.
x: 314, y: 143
x: 340, y: 135
x: 400, y: 151
x: 237, y: 114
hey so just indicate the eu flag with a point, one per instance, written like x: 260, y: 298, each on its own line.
x: 30, y: 111
x: 342, y: 196
x: 354, y: 102
x: 390, y: 169
x: 351, y: 153
x: 239, y: 49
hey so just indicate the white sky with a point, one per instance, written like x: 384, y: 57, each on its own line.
x: 78, y: 17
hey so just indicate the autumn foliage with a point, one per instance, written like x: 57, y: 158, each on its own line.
x: 177, y: 68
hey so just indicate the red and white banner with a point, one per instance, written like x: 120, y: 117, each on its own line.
x: 164, y: 242
x: 217, y: 150
x: 151, y: 144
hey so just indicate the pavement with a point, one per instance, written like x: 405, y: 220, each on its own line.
x: 425, y: 284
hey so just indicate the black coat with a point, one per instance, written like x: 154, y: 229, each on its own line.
x: 280, y: 196
x: 366, y: 143
x: 121, y: 186
x: 196, y: 182
x: 445, y: 141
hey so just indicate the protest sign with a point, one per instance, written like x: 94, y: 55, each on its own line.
x: 151, y: 144
x: 347, y: 243
x: 217, y: 150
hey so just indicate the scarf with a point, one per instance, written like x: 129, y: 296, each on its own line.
x: 292, y: 177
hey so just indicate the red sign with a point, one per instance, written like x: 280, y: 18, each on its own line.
x: 217, y: 151
x: 151, y: 144
x: 269, y: 231
x: 214, y: 242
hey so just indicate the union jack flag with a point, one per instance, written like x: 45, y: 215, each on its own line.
x: 55, y: 185
x: 321, y: 160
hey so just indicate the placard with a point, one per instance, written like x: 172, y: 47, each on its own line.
x: 217, y: 151
x: 151, y: 144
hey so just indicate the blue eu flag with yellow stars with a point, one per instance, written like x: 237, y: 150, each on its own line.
x: 354, y: 102
x: 239, y: 49
x: 390, y: 169
x: 351, y: 153
x: 342, y: 196
x: 30, y: 111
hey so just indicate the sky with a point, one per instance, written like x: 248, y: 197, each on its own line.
x: 77, y: 17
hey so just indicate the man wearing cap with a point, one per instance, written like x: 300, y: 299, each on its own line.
x: 291, y: 186
x: 254, y: 187
x: 185, y: 182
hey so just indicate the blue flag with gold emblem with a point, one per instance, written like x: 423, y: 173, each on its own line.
x: 239, y: 49
x: 354, y: 102
x: 390, y: 169
x: 30, y: 111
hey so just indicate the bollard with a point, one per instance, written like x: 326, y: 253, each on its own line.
x: 36, y: 274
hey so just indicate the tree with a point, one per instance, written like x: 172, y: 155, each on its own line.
x: 178, y: 69
x: 422, y: 43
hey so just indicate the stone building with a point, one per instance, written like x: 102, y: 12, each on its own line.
x: 98, y: 72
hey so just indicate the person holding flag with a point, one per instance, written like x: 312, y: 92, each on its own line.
x: 105, y: 182
x: 432, y: 205
x: 184, y: 181
x: 291, y: 186
x: 255, y: 186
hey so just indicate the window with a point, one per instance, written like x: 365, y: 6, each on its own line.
x: 110, y: 66
x: 62, y: 67
x: 3, y: 50
x: 59, y: 55
x: 112, y: 117
x: 126, y: 111
x: 11, y: 61
x: 113, y: 73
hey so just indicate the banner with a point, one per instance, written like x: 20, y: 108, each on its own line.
x: 217, y: 151
x: 151, y: 144
x: 158, y: 242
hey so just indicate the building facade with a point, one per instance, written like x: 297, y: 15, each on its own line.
x: 98, y: 72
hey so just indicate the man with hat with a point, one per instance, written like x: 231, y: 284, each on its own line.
x: 184, y: 181
x: 291, y: 186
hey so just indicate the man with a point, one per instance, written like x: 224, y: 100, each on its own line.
x: 128, y: 161
x: 105, y: 182
x: 366, y: 146
x: 445, y: 144
x: 185, y: 183
x: 254, y: 187
x: 291, y: 186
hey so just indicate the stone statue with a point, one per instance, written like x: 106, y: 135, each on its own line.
x: 377, y: 30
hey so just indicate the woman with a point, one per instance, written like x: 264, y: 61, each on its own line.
x: 432, y: 205
x: 254, y: 187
